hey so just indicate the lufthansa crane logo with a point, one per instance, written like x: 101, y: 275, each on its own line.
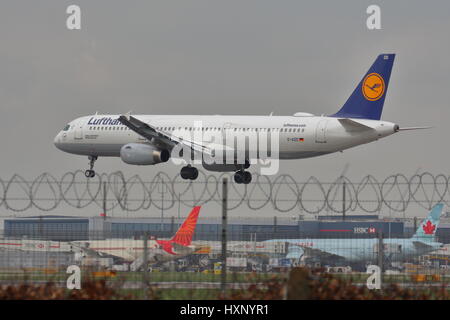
x: 373, y: 87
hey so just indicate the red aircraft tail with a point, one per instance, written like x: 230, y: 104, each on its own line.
x: 185, y: 234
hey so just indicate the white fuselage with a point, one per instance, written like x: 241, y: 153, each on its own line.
x: 299, y: 136
x: 130, y: 250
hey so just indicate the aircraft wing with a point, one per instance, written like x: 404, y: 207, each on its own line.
x: 86, y: 250
x: 158, y: 137
x: 124, y: 254
x: 421, y: 246
x: 313, y: 252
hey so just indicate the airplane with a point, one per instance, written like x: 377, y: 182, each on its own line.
x: 159, y: 250
x: 154, y: 139
x: 366, y: 250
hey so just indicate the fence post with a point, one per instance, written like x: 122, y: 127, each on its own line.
x: 380, y: 255
x: 144, y: 266
x: 224, y: 235
x: 104, y: 200
x: 343, y: 201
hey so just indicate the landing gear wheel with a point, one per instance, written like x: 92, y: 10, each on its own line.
x: 244, y: 177
x: 247, y: 177
x: 189, y: 172
x: 89, y: 173
x: 239, y: 177
x: 194, y: 174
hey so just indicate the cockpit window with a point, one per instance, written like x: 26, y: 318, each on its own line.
x: 66, y: 127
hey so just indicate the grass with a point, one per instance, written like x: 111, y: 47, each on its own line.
x: 175, y: 294
x: 138, y: 276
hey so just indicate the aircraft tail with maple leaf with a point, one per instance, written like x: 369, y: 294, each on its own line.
x: 363, y: 251
x: 427, y: 229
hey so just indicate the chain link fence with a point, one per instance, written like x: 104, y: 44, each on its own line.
x: 154, y: 269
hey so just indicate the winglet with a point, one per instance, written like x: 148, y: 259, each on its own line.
x: 127, y: 115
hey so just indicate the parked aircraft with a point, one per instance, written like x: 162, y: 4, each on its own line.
x: 359, y: 250
x: 132, y: 251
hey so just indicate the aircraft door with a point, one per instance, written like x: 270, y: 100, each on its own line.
x: 321, y: 131
x: 79, y: 130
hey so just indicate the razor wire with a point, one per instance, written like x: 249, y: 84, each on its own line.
x: 282, y: 193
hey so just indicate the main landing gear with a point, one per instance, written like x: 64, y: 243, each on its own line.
x: 242, y: 176
x: 91, y: 173
x: 189, y: 172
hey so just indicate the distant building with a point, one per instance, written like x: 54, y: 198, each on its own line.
x: 63, y: 228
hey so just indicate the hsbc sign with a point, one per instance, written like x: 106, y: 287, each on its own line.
x: 364, y: 230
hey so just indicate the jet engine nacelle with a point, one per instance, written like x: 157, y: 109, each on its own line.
x: 143, y: 154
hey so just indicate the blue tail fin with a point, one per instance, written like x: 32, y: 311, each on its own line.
x: 428, y: 227
x: 366, y: 102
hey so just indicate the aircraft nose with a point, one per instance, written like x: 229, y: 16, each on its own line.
x: 57, y: 141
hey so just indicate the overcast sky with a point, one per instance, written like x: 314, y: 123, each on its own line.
x: 229, y: 57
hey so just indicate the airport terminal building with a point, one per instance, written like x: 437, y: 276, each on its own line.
x: 63, y: 228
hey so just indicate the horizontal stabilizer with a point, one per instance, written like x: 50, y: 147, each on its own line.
x: 182, y: 250
x: 355, y: 123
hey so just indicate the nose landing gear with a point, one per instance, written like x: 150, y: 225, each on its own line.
x: 91, y: 173
x: 189, y: 172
